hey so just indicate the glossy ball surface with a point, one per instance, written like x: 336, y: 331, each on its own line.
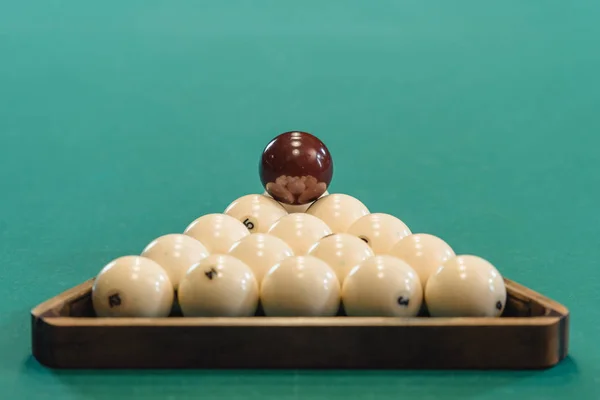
x: 256, y: 212
x: 342, y: 252
x: 219, y: 285
x: 338, y: 210
x: 465, y: 286
x: 296, y: 168
x: 382, y: 286
x: 424, y: 252
x: 300, y: 231
x: 300, y: 286
x: 176, y: 253
x: 132, y: 286
x: 296, y: 208
x: 380, y: 231
x: 261, y: 251
x: 217, y: 232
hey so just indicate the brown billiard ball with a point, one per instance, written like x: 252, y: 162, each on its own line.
x: 296, y: 168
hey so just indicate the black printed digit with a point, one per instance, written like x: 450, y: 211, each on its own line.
x: 403, y: 301
x: 249, y: 224
x: 499, y: 306
x: 114, y: 300
x: 211, y: 273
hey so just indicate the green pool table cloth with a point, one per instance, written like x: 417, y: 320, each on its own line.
x: 474, y: 121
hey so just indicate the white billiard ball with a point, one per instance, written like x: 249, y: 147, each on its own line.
x: 295, y: 208
x: 176, y: 253
x: 256, y: 212
x: 465, y: 286
x: 300, y: 231
x: 380, y: 231
x: 132, y: 286
x: 424, y: 252
x: 219, y: 285
x: 382, y: 286
x: 261, y: 251
x: 339, y: 211
x: 300, y: 286
x: 342, y: 252
x: 217, y: 232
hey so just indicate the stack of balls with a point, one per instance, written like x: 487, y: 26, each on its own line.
x: 297, y: 250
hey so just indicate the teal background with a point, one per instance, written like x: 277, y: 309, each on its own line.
x: 124, y: 120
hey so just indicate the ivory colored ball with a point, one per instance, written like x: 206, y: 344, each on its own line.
x: 339, y: 211
x: 380, y: 231
x: 342, y: 252
x: 424, y: 252
x: 132, y: 286
x: 261, y: 251
x: 466, y: 286
x: 176, y: 253
x: 219, y: 285
x: 300, y: 286
x: 300, y: 231
x: 256, y: 212
x: 382, y: 286
x: 217, y: 232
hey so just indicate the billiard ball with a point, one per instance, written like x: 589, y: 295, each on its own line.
x: 300, y: 231
x: 132, y: 286
x: 219, y: 285
x: 339, y: 211
x: 296, y: 168
x: 217, y: 232
x: 260, y: 251
x: 380, y: 231
x: 382, y: 286
x: 342, y: 252
x: 424, y: 252
x: 465, y: 286
x: 300, y: 286
x: 175, y: 253
x: 256, y: 212
x: 296, y: 208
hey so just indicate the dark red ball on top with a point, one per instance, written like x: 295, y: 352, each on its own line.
x: 296, y: 168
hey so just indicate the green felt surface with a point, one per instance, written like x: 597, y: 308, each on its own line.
x: 124, y: 120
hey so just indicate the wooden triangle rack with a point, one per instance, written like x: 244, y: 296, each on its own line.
x: 532, y: 333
